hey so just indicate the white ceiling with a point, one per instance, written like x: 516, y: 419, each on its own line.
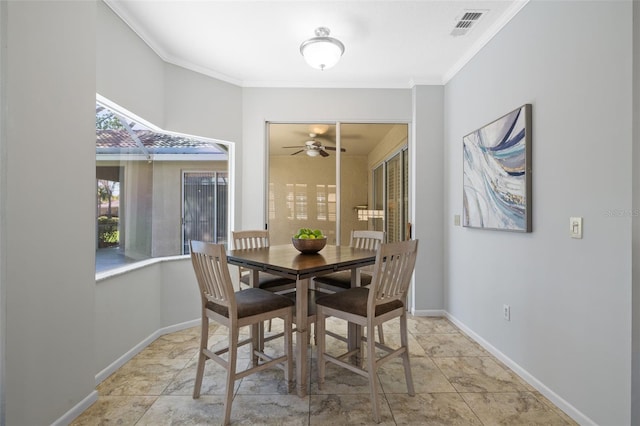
x: 388, y: 44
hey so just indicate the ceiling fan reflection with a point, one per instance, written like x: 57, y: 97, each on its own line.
x: 314, y: 148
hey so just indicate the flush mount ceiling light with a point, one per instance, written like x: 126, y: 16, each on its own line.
x: 322, y: 52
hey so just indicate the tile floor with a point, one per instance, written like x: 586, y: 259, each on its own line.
x: 456, y: 383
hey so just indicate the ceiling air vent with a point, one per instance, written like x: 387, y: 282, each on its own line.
x: 466, y: 22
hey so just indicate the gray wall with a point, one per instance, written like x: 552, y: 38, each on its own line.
x: 635, y: 354
x: 128, y: 72
x: 48, y: 273
x: 570, y: 299
x: 131, y: 307
x: 427, y: 168
x: 306, y: 106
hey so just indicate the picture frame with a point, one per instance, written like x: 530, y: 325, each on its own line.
x: 497, y: 174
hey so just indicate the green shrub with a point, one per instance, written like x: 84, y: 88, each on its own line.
x: 108, y: 234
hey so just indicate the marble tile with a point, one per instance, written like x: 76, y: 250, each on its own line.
x: 185, y: 335
x: 172, y: 347
x: 142, y: 376
x: 430, y: 325
x: 449, y: 345
x: 184, y: 410
x: 155, y: 387
x: 527, y: 386
x: 512, y: 408
x: 332, y: 346
x: 555, y: 409
x: 337, y: 347
x: 427, y: 377
x: 393, y: 340
x: 431, y: 409
x: 270, y: 410
x: 213, y: 380
x: 267, y: 382
x: 118, y: 410
x: 479, y: 374
x: 208, y: 410
x: 352, y: 409
x: 338, y: 380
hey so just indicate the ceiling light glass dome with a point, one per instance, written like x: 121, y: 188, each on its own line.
x: 322, y: 52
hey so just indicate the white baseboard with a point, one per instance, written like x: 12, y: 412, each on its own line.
x: 113, y: 367
x: 179, y: 327
x: 78, y: 409
x: 569, y: 409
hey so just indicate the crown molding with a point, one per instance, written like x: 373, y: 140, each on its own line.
x: 486, y: 38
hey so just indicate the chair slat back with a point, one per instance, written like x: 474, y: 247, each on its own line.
x: 369, y: 240
x: 392, y: 272
x: 212, y: 272
x: 250, y: 239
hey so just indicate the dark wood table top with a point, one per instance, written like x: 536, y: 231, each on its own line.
x: 286, y: 261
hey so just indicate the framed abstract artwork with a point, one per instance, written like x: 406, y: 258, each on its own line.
x: 497, y: 174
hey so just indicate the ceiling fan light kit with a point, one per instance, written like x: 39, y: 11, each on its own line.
x: 322, y: 52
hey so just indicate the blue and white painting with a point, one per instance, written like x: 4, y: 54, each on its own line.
x: 495, y: 174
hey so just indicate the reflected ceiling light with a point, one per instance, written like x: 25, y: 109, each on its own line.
x: 322, y: 52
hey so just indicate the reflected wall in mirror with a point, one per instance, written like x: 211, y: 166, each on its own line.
x: 303, y: 189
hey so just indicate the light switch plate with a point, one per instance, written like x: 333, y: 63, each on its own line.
x: 456, y: 220
x: 575, y: 227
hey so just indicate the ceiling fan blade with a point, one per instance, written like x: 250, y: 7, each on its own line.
x: 323, y: 153
x: 298, y: 152
x: 295, y: 146
x: 331, y: 148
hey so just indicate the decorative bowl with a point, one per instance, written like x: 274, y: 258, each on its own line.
x: 309, y: 246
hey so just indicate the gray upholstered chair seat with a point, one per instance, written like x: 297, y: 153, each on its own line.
x: 253, y: 301
x: 354, y: 301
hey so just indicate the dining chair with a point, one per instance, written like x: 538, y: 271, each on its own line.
x: 258, y: 239
x: 234, y: 310
x: 251, y: 239
x: 340, y: 281
x: 383, y: 300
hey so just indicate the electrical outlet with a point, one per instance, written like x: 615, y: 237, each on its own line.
x: 506, y: 312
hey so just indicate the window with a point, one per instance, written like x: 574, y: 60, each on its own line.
x: 326, y: 202
x: 391, y: 195
x: 155, y: 189
x: 204, y: 207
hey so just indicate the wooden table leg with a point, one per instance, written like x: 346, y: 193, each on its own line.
x: 302, y: 331
x: 354, y: 331
x: 257, y: 332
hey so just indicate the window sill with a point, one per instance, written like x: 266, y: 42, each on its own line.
x: 104, y: 275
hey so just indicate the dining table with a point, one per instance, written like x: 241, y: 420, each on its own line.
x: 286, y: 261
